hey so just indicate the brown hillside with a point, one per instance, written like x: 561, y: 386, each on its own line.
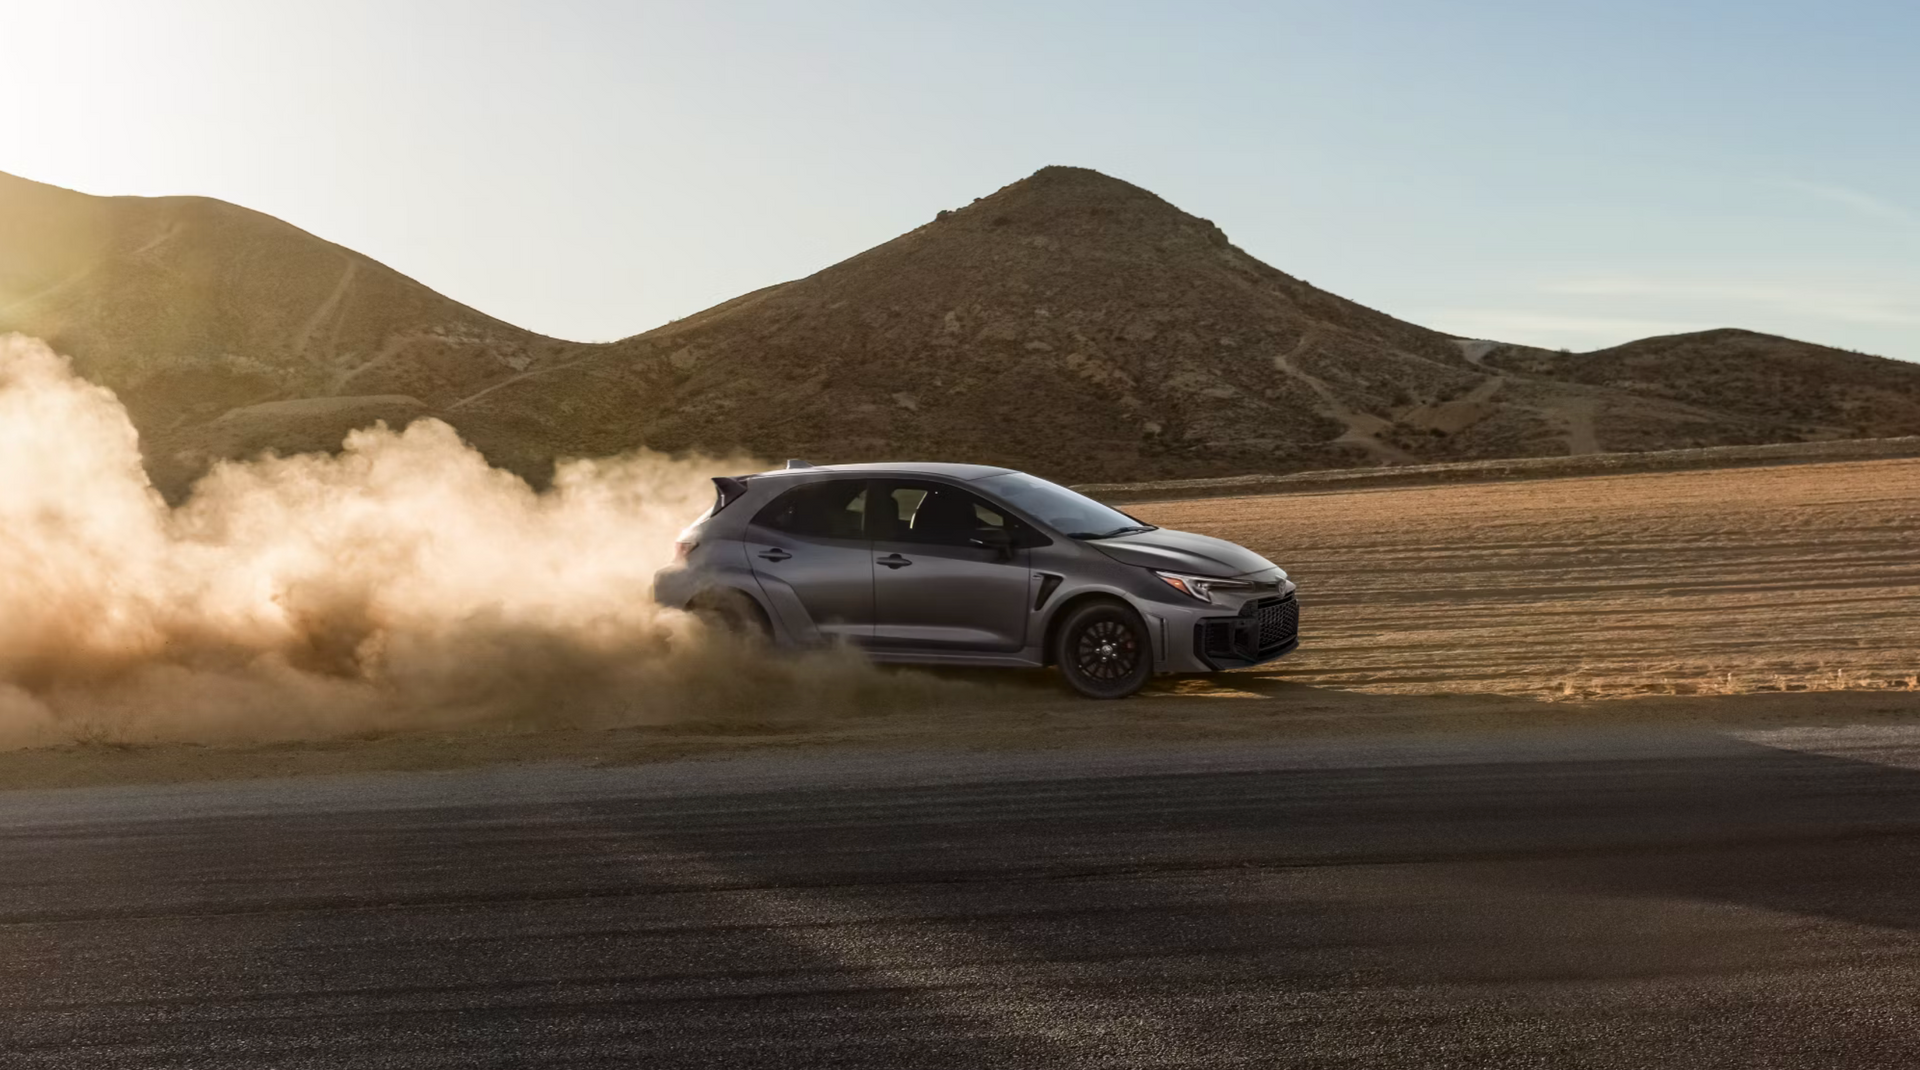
x: 1771, y: 389
x: 189, y: 307
x: 1070, y: 323
x: 1082, y: 327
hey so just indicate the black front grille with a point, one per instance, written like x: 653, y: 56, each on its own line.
x: 1279, y: 623
x: 1265, y: 628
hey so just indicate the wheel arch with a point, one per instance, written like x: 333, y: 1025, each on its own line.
x: 716, y: 596
x: 1062, y: 611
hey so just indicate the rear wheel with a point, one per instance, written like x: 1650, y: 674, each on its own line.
x: 733, y: 613
x: 1102, y: 650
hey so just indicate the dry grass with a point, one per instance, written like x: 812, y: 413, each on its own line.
x: 1721, y: 582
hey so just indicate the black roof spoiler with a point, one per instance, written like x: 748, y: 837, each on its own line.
x: 730, y: 490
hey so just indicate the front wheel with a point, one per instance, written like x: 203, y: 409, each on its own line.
x: 1102, y: 650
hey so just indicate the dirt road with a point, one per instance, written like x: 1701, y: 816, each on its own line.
x: 1755, y: 597
x: 1733, y: 581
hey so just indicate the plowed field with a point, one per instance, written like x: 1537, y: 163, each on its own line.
x: 1730, y: 581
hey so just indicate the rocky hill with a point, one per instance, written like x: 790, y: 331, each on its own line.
x: 1070, y: 323
x: 226, y: 331
x: 1758, y: 388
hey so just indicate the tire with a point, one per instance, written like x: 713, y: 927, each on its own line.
x: 734, y: 614
x: 1103, y: 650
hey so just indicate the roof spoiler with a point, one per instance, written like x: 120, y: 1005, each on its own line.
x: 730, y: 490
x: 795, y: 462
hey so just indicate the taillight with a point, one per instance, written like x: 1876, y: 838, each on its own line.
x: 683, y: 547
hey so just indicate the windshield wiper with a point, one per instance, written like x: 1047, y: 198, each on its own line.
x: 1128, y: 529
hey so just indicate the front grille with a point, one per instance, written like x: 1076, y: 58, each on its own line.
x: 1265, y: 628
x: 1279, y: 623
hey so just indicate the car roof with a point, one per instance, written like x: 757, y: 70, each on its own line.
x: 904, y: 468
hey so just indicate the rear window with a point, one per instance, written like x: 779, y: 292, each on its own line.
x: 834, y: 509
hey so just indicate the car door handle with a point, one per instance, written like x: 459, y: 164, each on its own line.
x: 893, y: 561
x: 775, y: 554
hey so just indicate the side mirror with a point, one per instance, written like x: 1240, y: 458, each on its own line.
x: 995, y: 539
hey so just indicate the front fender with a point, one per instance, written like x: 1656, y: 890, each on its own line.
x: 1049, y: 615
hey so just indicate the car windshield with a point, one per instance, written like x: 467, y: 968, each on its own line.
x: 1074, y: 515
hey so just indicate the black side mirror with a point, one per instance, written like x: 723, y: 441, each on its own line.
x: 995, y: 539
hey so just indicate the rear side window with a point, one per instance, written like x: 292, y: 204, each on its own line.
x: 835, y: 509
x: 936, y: 513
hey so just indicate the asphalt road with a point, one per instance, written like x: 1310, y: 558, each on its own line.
x: 1553, y: 901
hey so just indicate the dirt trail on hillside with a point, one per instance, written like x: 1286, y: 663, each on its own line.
x: 1362, y: 429
x: 1803, y: 578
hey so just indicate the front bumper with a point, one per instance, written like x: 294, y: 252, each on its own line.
x: 1264, y: 629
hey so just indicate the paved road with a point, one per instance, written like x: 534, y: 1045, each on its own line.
x: 1550, y: 902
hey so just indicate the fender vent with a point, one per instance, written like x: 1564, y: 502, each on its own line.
x: 1049, y: 583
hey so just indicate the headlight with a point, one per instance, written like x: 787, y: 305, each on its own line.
x: 1201, y: 587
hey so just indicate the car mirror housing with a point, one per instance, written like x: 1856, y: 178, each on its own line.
x: 995, y: 539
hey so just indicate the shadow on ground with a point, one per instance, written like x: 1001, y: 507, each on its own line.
x: 1744, y: 906
x: 973, y: 710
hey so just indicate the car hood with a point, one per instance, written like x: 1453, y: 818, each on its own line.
x: 1183, y: 551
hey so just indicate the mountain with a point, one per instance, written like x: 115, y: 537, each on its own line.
x: 1070, y: 323
x: 1082, y: 327
x: 222, y: 328
x: 1759, y: 387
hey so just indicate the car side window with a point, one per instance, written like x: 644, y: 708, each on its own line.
x: 935, y: 513
x: 833, y: 509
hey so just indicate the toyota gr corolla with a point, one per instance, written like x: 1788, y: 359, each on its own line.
x: 960, y: 564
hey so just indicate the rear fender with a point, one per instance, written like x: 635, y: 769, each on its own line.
x: 783, y: 606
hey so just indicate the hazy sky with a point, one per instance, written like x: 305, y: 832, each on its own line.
x: 1558, y: 173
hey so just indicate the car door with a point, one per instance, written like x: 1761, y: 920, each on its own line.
x: 811, y: 552
x: 939, y: 582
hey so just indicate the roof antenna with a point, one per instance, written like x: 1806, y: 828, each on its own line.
x: 795, y: 462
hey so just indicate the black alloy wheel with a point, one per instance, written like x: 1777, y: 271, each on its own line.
x: 1102, y: 650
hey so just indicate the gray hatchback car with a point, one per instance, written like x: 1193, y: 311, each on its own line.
x: 961, y: 564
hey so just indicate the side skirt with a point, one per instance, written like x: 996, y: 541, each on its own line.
x: 1025, y: 659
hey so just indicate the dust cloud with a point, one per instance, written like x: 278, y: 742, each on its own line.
x: 400, y: 584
